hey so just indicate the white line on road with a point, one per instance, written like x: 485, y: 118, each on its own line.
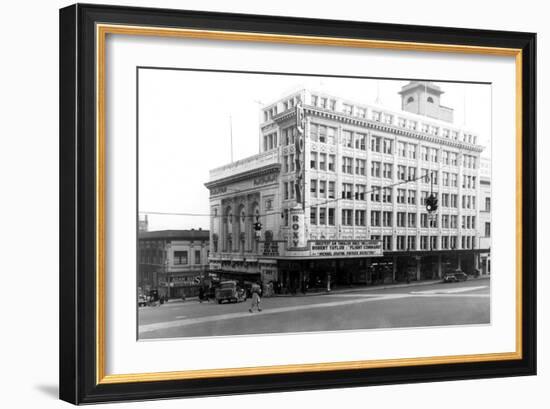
x: 449, y: 290
x: 212, y: 318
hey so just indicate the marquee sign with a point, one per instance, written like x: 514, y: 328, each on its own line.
x: 345, y: 248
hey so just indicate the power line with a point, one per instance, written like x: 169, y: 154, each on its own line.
x: 378, y: 188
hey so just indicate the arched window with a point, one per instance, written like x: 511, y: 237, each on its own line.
x: 430, y: 100
x: 410, y: 99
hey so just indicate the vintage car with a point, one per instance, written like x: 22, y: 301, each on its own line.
x: 454, y: 276
x: 229, y: 291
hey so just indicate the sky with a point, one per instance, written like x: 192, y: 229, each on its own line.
x: 186, y: 119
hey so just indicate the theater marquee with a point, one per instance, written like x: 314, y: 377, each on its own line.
x: 345, y: 248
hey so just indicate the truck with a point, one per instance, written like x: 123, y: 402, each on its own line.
x: 230, y: 291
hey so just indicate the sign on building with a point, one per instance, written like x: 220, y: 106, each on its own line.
x: 345, y: 248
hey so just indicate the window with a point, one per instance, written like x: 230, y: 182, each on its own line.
x: 331, y: 189
x: 409, y: 100
x: 347, y: 165
x: 375, y: 194
x: 360, y: 139
x: 387, y: 219
x: 444, y: 200
x: 430, y: 100
x: 412, y: 173
x: 487, y: 204
x: 444, y: 242
x: 286, y: 217
x: 376, y: 116
x: 411, y: 198
x: 424, y: 174
x: 388, y: 146
x: 412, y: 151
x: 313, y: 187
x: 331, y: 163
x: 347, y: 139
x: 374, y: 218
x: 423, y: 220
x: 453, y: 158
x: 331, y: 216
x: 401, y: 149
x: 454, y: 180
x: 360, y: 192
x: 197, y: 256
x: 445, y: 157
x: 454, y: 200
x: 445, y: 178
x: 322, y: 161
x: 433, y: 243
x: 423, y: 242
x: 313, y: 215
x: 400, y: 243
x: 360, y: 166
x: 375, y: 143
x: 386, y: 242
x: 323, y: 189
x: 285, y: 188
x: 331, y: 135
x: 411, y: 243
x: 375, y: 169
x: 347, y: 189
x: 445, y: 221
x: 401, y: 172
x: 386, y: 195
x: 387, y: 171
x: 323, y: 134
x: 285, y: 162
x: 180, y: 257
x: 401, y: 196
x: 324, y: 102
x: 361, y: 112
x: 313, y: 160
x: 487, y: 229
x: 433, y: 155
x: 348, y: 109
x: 323, y: 216
x: 347, y: 215
x: 360, y: 218
x: 400, y: 219
x: 292, y: 164
x: 411, y: 219
x: 314, y: 100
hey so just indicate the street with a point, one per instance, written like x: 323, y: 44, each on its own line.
x: 461, y: 303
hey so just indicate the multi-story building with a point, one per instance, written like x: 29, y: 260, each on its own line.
x: 340, y: 189
x: 173, y: 261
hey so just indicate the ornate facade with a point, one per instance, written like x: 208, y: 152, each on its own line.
x: 352, y: 179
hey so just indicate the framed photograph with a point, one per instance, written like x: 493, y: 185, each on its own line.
x: 256, y: 203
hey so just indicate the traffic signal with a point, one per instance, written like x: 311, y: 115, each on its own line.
x: 431, y: 203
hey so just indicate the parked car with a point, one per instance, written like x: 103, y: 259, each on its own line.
x: 454, y: 276
x: 142, y: 300
x: 230, y: 291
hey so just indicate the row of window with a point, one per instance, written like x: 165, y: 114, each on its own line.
x: 181, y: 257
x: 426, y: 242
x: 324, y: 216
x: 387, y: 118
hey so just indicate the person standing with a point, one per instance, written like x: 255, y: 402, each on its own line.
x: 255, y: 297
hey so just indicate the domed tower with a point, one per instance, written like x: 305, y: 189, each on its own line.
x: 423, y: 98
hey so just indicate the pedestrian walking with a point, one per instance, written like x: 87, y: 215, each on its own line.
x: 256, y: 289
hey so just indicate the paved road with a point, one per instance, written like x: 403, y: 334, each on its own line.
x: 428, y: 305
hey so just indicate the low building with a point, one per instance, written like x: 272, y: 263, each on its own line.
x: 173, y: 261
x: 484, y: 227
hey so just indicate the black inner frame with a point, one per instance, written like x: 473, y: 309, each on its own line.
x: 78, y: 212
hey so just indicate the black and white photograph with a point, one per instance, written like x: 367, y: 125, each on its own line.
x: 287, y: 203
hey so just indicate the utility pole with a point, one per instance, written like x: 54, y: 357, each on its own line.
x: 231, y: 135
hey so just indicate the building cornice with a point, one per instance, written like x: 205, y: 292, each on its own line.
x: 249, y: 174
x: 376, y: 126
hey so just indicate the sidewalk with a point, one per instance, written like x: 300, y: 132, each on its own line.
x: 373, y: 287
